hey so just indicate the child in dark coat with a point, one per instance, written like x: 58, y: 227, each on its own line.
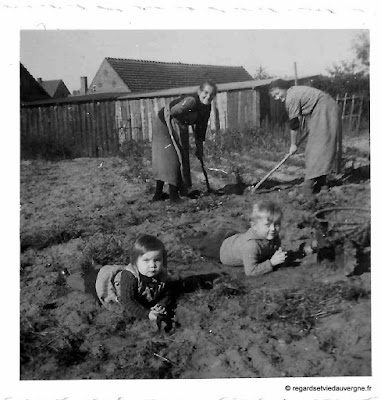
x: 139, y: 289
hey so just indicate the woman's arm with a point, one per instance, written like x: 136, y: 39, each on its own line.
x: 200, y: 132
x: 293, y: 137
x: 183, y: 107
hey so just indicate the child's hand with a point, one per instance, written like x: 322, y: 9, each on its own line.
x: 153, y: 315
x: 155, y: 311
x: 279, y: 257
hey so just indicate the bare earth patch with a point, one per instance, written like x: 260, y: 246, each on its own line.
x: 311, y: 318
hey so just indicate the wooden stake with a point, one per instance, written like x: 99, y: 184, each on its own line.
x: 359, y: 115
x: 339, y: 141
x: 296, y: 74
x: 351, y: 114
x: 344, y: 104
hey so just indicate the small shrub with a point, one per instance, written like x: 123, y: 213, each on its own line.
x: 47, y: 148
x: 104, y: 250
x: 131, y: 149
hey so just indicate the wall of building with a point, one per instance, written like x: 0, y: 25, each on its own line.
x: 106, y: 80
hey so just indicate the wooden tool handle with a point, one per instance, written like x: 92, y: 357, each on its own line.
x: 205, y: 175
x: 284, y: 159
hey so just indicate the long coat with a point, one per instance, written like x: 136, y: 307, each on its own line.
x: 323, y: 124
x: 170, y: 139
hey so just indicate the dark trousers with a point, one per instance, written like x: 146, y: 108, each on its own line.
x: 211, y: 243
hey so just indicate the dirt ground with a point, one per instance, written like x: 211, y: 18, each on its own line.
x: 308, y: 318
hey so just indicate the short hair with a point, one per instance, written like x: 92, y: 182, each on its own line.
x: 211, y: 83
x: 269, y: 208
x: 279, y: 83
x: 145, y: 243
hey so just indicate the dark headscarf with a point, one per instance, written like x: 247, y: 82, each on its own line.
x: 279, y: 83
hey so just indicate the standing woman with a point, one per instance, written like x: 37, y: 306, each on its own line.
x: 323, y: 124
x: 170, y: 139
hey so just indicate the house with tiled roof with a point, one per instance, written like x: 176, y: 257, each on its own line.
x: 30, y: 89
x: 126, y: 75
x: 55, y: 88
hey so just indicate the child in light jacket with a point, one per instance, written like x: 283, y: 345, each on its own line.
x: 258, y: 249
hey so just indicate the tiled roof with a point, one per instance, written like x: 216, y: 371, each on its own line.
x: 95, y: 97
x: 51, y: 86
x: 141, y: 76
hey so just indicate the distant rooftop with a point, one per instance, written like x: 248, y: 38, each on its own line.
x: 50, y: 86
x: 142, y: 75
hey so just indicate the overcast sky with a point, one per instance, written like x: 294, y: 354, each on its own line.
x: 70, y: 54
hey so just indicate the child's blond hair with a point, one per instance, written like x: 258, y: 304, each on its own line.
x: 269, y: 209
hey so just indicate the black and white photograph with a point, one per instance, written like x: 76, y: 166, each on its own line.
x: 195, y: 206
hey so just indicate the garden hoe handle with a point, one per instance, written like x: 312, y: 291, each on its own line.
x: 205, y: 175
x: 284, y: 159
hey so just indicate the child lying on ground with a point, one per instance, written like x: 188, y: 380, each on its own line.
x: 140, y: 288
x: 257, y: 250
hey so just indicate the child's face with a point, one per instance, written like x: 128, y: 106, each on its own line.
x: 266, y: 228
x: 206, y: 95
x: 151, y: 263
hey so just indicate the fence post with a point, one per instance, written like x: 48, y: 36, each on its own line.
x: 343, y: 108
x: 351, y: 114
x: 359, y: 115
x: 339, y: 139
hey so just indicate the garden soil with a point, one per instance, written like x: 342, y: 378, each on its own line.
x: 312, y: 317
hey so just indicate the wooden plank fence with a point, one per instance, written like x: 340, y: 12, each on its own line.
x: 97, y: 128
x: 351, y: 111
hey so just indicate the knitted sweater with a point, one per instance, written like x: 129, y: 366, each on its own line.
x: 122, y: 288
x: 249, y: 250
x: 139, y: 294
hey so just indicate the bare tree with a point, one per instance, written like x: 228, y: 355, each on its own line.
x: 261, y: 73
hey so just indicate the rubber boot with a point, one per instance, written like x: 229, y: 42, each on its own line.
x: 321, y: 183
x: 309, y: 198
x: 308, y: 188
x: 158, y: 191
x: 174, y: 194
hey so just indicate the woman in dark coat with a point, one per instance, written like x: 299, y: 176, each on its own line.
x: 323, y: 124
x: 170, y: 139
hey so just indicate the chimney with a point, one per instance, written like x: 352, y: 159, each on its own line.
x: 39, y: 80
x: 83, y: 84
